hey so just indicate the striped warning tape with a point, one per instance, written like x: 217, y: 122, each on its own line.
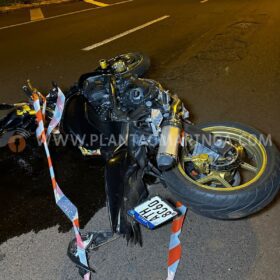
x: 62, y: 201
x: 57, y: 112
x: 175, y: 247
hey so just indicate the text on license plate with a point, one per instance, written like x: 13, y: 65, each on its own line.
x: 153, y: 212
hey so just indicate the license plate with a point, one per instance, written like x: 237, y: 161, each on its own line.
x: 153, y: 212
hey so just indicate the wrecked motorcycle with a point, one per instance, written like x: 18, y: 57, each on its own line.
x: 222, y: 170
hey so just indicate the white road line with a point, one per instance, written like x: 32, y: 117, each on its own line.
x: 94, y: 46
x: 99, y: 4
x: 64, y: 15
x: 203, y: 1
x: 36, y: 14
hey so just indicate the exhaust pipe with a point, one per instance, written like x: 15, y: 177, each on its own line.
x: 169, y: 140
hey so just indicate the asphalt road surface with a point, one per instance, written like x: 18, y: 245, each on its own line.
x: 221, y: 57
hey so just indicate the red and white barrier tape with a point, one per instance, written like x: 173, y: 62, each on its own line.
x: 175, y: 247
x: 62, y: 201
x: 57, y: 115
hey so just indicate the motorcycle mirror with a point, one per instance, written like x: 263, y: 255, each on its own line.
x: 27, y: 91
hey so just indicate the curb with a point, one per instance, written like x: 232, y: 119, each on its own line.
x: 6, y: 9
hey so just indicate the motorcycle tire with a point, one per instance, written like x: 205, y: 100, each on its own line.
x: 236, y: 202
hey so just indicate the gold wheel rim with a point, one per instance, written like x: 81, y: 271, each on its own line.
x: 235, y: 134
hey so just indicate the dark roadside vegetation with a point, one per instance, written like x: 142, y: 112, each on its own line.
x: 12, y: 2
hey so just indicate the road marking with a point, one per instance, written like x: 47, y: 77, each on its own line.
x: 36, y: 14
x: 94, y: 46
x: 203, y: 1
x: 64, y: 15
x: 99, y: 4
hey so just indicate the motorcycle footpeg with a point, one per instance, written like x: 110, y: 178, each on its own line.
x: 100, y: 238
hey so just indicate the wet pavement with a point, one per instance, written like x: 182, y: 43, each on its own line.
x: 26, y: 197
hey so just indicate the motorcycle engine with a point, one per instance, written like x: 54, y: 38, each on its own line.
x: 125, y: 98
x: 143, y: 104
x: 136, y: 92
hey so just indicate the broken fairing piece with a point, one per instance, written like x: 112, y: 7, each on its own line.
x: 92, y: 241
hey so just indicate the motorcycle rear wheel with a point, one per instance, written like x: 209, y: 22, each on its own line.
x: 234, y: 202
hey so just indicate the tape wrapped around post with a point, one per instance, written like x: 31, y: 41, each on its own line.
x: 175, y: 247
x: 69, y: 209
